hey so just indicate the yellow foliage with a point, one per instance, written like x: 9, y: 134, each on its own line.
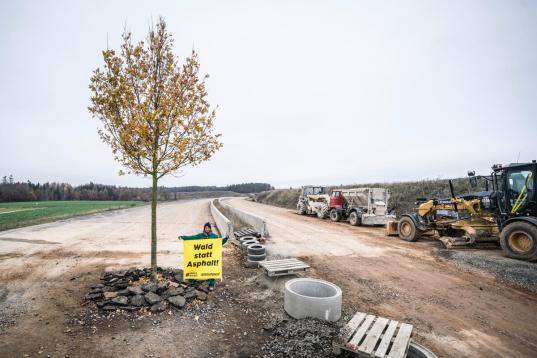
x: 154, y: 112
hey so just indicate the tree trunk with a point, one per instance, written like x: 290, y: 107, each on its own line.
x: 154, y: 228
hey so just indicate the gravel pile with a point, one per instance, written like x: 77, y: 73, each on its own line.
x: 520, y: 273
x: 133, y: 290
x: 305, y: 338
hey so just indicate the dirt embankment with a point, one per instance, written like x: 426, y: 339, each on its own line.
x: 402, y: 199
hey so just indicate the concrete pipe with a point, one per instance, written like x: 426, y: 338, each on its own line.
x: 308, y: 297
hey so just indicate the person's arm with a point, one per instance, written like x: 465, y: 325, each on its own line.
x: 192, y: 237
x: 214, y: 236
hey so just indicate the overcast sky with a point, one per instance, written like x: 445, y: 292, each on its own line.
x: 308, y: 92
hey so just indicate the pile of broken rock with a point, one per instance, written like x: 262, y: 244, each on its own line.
x: 133, y: 289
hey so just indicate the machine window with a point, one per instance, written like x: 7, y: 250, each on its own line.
x: 520, y: 189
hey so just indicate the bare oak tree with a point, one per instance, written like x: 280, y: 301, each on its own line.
x: 154, y: 112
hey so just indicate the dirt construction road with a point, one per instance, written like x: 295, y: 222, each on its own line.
x: 455, y: 313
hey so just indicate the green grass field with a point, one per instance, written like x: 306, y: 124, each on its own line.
x: 13, y: 215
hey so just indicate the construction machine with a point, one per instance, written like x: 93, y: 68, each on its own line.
x: 313, y: 200
x: 506, y: 214
x: 361, y: 206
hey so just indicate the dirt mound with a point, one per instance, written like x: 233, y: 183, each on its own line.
x: 283, y: 198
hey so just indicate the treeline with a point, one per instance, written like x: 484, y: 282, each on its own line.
x: 28, y: 191
x: 245, y: 188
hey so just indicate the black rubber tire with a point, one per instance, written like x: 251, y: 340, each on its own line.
x: 252, y: 264
x: 245, y: 245
x: 257, y: 257
x: 247, y: 238
x: 322, y: 213
x: 407, y: 230
x: 354, y: 219
x: 301, y: 208
x: 519, y: 241
x: 257, y: 249
x: 335, y: 215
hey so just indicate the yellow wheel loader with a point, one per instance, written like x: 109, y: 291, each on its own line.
x: 507, y: 214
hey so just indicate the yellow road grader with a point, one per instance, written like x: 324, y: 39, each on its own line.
x: 506, y: 214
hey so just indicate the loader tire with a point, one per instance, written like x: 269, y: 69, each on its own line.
x: 355, y: 219
x: 407, y: 230
x: 301, y: 208
x: 335, y: 215
x: 322, y: 213
x: 519, y: 241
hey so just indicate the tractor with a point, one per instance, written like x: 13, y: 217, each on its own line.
x: 313, y: 200
x: 361, y: 206
x: 506, y: 214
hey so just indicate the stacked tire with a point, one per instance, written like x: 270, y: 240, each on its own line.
x: 255, y: 254
x: 252, y: 250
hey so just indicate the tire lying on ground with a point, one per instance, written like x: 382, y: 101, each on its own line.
x: 407, y: 230
x: 247, y: 243
x: 252, y: 264
x: 519, y: 240
x: 246, y: 238
x: 256, y: 249
x: 257, y: 257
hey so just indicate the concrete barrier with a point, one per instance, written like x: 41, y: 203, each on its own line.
x: 309, y: 297
x: 225, y: 227
x: 258, y: 223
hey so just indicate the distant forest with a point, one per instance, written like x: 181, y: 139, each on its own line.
x: 10, y: 190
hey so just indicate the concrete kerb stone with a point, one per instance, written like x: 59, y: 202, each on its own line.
x: 258, y: 223
x: 309, y: 297
x: 224, y: 225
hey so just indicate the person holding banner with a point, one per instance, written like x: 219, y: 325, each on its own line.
x: 207, y: 233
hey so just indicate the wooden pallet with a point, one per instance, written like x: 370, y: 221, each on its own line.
x: 371, y: 336
x: 246, y: 232
x: 283, y: 267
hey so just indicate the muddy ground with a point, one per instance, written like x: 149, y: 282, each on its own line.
x: 46, y: 270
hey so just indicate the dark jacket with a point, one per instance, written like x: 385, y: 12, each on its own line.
x: 203, y: 235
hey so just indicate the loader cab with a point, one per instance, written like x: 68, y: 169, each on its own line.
x: 337, y: 200
x: 312, y: 190
x: 515, y: 187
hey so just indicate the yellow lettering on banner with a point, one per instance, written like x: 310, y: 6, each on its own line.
x: 202, y: 259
